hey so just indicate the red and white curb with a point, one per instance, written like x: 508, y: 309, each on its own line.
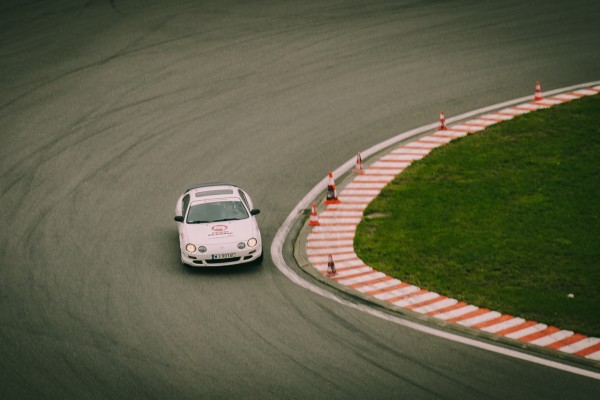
x: 337, y: 226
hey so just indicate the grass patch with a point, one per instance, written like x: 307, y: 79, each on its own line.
x: 507, y: 218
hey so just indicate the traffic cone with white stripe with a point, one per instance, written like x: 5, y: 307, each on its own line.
x: 538, y: 92
x: 442, y: 126
x: 331, y: 191
x: 359, y: 166
x: 314, y: 217
x: 331, y: 266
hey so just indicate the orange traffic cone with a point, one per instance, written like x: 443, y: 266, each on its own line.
x: 314, y: 217
x: 538, y: 92
x: 359, y: 167
x: 331, y: 191
x: 442, y: 126
x: 330, y: 266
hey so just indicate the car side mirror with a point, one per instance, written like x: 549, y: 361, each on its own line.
x: 255, y: 211
x: 179, y: 218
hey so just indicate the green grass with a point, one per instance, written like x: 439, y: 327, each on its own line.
x: 507, y: 219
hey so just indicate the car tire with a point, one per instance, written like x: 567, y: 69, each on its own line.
x: 259, y: 260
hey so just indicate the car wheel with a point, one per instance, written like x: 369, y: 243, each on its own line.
x: 259, y: 260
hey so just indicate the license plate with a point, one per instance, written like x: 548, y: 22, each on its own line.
x: 222, y: 256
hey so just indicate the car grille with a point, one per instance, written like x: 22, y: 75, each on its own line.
x: 223, y: 260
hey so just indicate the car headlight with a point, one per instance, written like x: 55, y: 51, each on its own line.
x: 190, y: 248
x: 252, y: 242
x: 202, y: 249
x: 241, y: 245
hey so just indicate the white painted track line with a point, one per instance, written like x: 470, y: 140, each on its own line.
x: 277, y: 244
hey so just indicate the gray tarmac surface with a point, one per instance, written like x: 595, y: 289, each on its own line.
x: 108, y: 110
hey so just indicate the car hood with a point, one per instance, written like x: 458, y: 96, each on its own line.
x: 221, y: 232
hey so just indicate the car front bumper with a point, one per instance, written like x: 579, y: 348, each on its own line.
x: 197, y: 259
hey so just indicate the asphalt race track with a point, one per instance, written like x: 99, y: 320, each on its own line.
x: 109, y: 109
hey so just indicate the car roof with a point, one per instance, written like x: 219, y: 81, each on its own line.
x: 209, y: 185
x: 213, y: 190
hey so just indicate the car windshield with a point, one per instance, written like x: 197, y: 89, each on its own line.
x: 229, y: 210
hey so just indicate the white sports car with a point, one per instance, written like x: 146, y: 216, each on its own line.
x: 217, y: 226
